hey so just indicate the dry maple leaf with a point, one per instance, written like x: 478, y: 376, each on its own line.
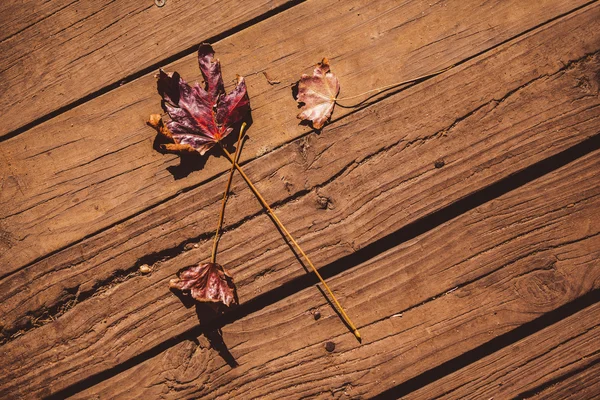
x: 201, y: 117
x: 318, y: 93
x: 208, y: 282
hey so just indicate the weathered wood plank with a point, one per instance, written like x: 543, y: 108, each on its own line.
x: 420, y: 304
x: 94, y: 166
x: 583, y: 385
x: 101, y: 332
x: 16, y: 17
x: 42, y: 290
x: 55, y: 53
x: 563, y: 349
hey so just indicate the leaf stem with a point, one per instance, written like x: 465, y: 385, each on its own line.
x: 291, y: 239
x: 387, y: 87
x: 213, y: 256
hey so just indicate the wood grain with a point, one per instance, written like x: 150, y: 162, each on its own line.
x: 55, y: 53
x: 43, y: 290
x: 101, y: 333
x: 424, y: 302
x: 17, y: 17
x: 93, y: 167
x: 561, y: 350
x: 583, y: 385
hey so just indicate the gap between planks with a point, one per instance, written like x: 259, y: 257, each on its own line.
x: 486, y: 111
x: 473, y: 285
x: 98, y: 47
x: 109, y: 175
x: 19, y: 291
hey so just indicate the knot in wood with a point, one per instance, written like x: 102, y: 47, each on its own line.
x: 330, y: 346
x: 323, y: 202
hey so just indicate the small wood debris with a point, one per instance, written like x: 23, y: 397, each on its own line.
x: 271, y: 81
x: 145, y: 269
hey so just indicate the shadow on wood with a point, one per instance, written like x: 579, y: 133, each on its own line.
x: 210, y: 311
x: 207, y: 312
x: 190, y: 162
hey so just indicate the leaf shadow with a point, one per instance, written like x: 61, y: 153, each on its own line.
x: 186, y: 300
x: 294, y: 89
x: 192, y: 162
x: 188, y: 163
x: 210, y: 312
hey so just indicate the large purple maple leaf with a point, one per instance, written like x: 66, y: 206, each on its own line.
x: 201, y: 116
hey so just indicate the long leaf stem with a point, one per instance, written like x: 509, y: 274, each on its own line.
x: 292, y: 240
x: 213, y: 256
x: 393, y: 85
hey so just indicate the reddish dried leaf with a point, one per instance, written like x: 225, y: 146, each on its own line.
x: 318, y: 94
x: 201, y: 117
x: 207, y: 283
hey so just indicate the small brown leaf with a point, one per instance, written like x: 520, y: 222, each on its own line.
x: 318, y: 94
x: 208, y: 282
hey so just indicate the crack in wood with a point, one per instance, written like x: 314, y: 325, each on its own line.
x: 38, y: 21
x: 563, y: 377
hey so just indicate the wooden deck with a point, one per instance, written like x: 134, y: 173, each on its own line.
x: 457, y: 219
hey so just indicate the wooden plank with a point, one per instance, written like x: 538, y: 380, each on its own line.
x: 104, y: 330
x: 418, y: 305
x: 583, y: 385
x: 560, y: 350
x: 55, y: 53
x: 41, y: 291
x: 17, y: 17
x: 44, y: 290
x: 95, y: 166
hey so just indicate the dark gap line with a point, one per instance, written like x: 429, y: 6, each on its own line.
x: 402, y: 235
x: 144, y: 71
x: 381, y: 96
x: 112, y: 225
x: 239, y: 28
x: 494, y: 345
x: 544, y: 386
x: 37, y: 22
x: 384, y: 94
